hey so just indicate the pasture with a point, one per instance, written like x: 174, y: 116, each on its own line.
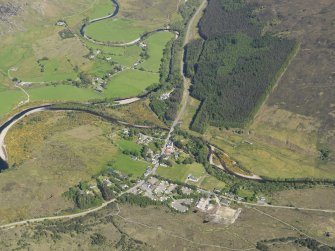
x: 156, y: 44
x: 10, y: 99
x: 62, y: 93
x: 115, y: 30
x: 125, y: 164
x: 180, y: 172
x: 130, y: 83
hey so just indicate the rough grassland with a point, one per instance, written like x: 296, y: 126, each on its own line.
x: 52, y: 151
x: 102, y: 8
x: 130, y: 83
x: 306, y: 91
x: 163, y: 230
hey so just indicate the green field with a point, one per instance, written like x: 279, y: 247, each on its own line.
x: 115, y: 30
x: 180, y: 172
x: 130, y: 83
x: 62, y: 92
x: 9, y: 99
x: 129, y: 146
x: 126, y: 165
x: 156, y: 44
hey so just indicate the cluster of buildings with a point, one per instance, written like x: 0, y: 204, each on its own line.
x: 157, y: 190
x: 144, y: 139
x: 162, y: 190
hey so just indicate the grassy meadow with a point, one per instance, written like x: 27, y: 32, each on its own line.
x: 115, y: 30
x: 10, y: 99
x: 180, y: 172
x: 130, y: 83
x: 156, y: 44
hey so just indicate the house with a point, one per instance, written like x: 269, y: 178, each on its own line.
x: 125, y: 132
x: 143, y: 45
x: 192, y: 178
x: 169, y: 148
x: 107, y: 182
x: 153, y: 180
x: 99, y: 88
x: 224, y: 202
x: 124, y: 186
x: 166, y: 95
x: 186, y: 190
x: 92, y: 186
x: 60, y: 23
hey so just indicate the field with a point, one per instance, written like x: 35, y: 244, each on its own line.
x: 130, y: 83
x: 156, y: 44
x: 180, y: 172
x: 63, y: 92
x: 9, y: 99
x: 125, y: 164
x: 115, y: 30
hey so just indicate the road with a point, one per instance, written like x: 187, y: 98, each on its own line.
x: 186, y: 81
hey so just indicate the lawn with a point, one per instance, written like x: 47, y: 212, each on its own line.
x: 130, y: 83
x: 62, y: 92
x: 156, y: 44
x: 126, y: 165
x: 9, y: 99
x: 180, y: 172
x: 115, y: 30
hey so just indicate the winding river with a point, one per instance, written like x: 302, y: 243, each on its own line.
x: 136, y: 41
